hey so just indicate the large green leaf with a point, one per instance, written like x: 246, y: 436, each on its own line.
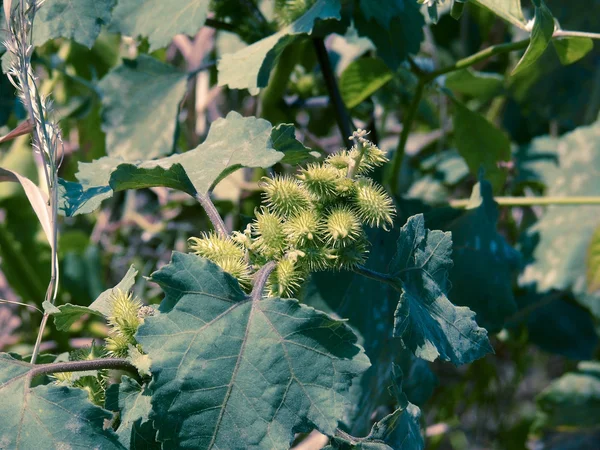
x: 232, y: 372
x: 509, y: 10
x: 79, y: 20
x: 232, y: 142
x: 140, y: 101
x: 559, y: 241
x: 484, y: 263
x: 428, y: 324
x: 400, y: 430
x: 362, y: 78
x: 47, y: 416
x: 481, y: 144
x: 132, y: 401
x: 66, y: 315
x: 159, y: 20
x: 571, y: 403
x: 250, y: 67
x: 403, y: 36
x: 541, y: 35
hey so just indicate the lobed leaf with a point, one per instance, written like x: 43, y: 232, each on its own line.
x: 230, y: 372
x: 47, y: 416
x: 428, y: 324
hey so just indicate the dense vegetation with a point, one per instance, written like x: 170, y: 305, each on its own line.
x: 342, y: 224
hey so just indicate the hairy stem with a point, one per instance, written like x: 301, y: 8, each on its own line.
x: 212, y: 213
x: 260, y: 280
x: 81, y: 366
x: 343, y: 118
x: 382, y: 277
x: 534, y: 201
x: 394, y: 171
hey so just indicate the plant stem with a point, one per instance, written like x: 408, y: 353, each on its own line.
x: 212, y: 213
x: 534, y: 201
x: 394, y: 172
x: 382, y: 277
x: 574, y: 34
x: 260, y: 280
x: 12, y: 302
x: 478, y: 57
x: 343, y: 118
x: 81, y: 366
x: 219, y: 25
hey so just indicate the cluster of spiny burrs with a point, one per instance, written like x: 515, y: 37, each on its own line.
x: 309, y: 222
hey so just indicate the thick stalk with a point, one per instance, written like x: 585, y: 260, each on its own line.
x: 382, y: 277
x: 82, y: 366
x: 341, y: 114
x: 534, y: 201
x: 394, y: 171
x: 260, y: 280
x: 212, y: 213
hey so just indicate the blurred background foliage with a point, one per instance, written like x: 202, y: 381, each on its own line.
x: 526, y: 271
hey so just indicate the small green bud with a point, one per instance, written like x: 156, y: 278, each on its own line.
x: 212, y: 246
x: 321, y: 180
x: 341, y: 226
x: 286, y: 279
x: 123, y: 316
x: 373, y: 205
x: 285, y: 195
x: 302, y: 228
x: 270, y: 238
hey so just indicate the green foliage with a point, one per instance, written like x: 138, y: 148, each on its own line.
x: 541, y: 35
x: 267, y: 367
x: 157, y: 20
x: 80, y: 21
x: 363, y: 78
x: 428, y: 324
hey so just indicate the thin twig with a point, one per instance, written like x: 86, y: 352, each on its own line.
x: 12, y: 302
x: 260, y: 280
x: 82, y: 366
x: 212, y: 213
x: 534, y: 201
x: 343, y: 118
x: 394, y: 171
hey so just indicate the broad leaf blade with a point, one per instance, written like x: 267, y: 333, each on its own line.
x: 47, y: 416
x: 232, y: 142
x: 79, y: 20
x: 159, y: 20
x: 250, y: 67
x: 229, y: 372
x: 509, y: 10
x: 429, y: 325
x: 570, y: 50
x: 481, y: 144
x: 362, y: 78
x: 541, y: 35
x: 139, y: 108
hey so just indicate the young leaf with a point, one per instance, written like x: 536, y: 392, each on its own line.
x: 250, y: 67
x: 67, y: 314
x: 283, y: 138
x: 570, y: 50
x: 159, y: 20
x: 79, y: 20
x: 541, y: 35
x: 425, y: 320
x: 509, y: 10
x: 132, y: 401
x: 480, y: 143
x: 139, y: 108
x: 362, y: 78
x: 484, y: 263
x: 47, y: 416
x: 232, y: 143
x: 232, y: 372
